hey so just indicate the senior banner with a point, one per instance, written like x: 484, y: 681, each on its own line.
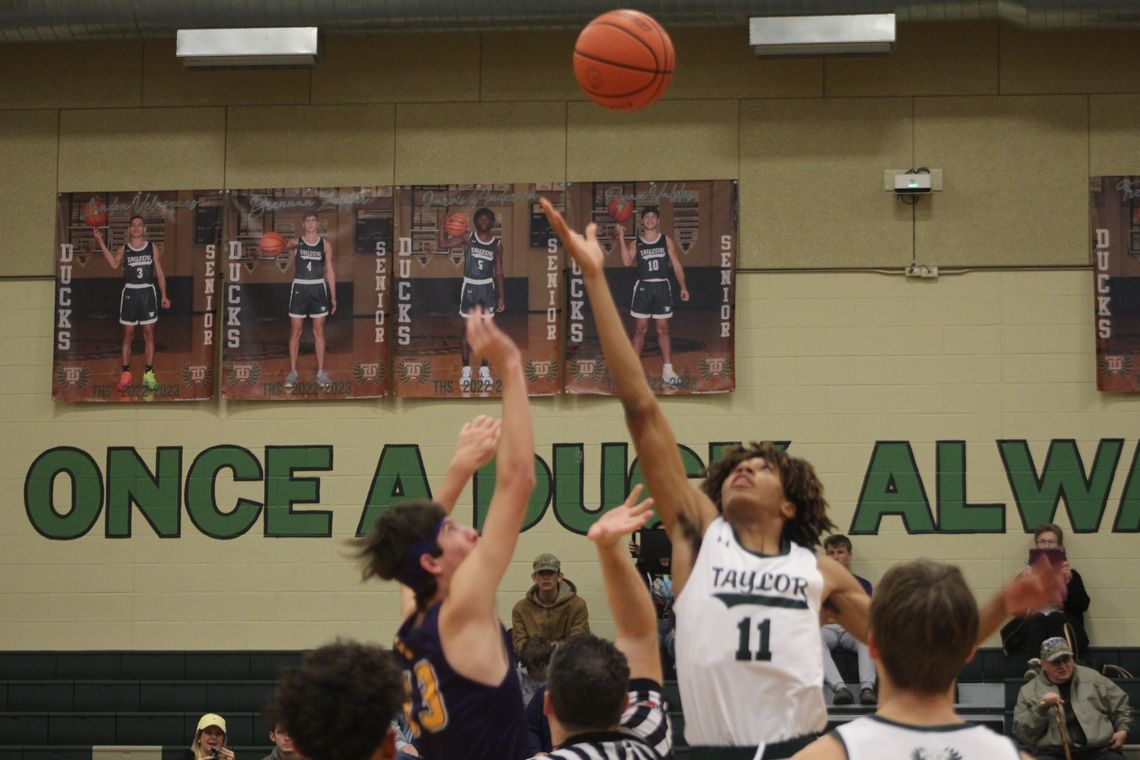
x: 670, y: 261
x: 1114, y: 210
x: 468, y: 247
x: 306, y: 310
x: 135, y: 295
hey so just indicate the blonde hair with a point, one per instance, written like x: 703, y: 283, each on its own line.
x: 196, y: 747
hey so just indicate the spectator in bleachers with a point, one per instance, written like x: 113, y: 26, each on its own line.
x: 537, y: 726
x: 533, y: 661
x: 1022, y: 637
x: 210, y: 739
x: 838, y: 547
x: 282, y: 745
x: 338, y: 704
x: 653, y: 564
x: 551, y: 608
x: 1097, y: 716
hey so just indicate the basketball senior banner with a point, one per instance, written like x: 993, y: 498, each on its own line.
x: 670, y: 261
x: 306, y: 309
x: 1114, y: 210
x: 135, y: 295
x: 463, y: 247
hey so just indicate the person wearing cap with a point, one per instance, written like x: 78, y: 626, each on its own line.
x: 210, y: 739
x: 1097, y: 716
x: 551, y: 609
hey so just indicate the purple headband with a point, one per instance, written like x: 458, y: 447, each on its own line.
x: 411, y: 572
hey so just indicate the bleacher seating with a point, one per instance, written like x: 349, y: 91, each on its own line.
x: 61, y: 705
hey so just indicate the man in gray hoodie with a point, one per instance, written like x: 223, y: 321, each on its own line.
x: 551, y: 609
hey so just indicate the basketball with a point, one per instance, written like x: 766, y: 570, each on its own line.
x: 455, y: 224
x: 95, y: 213
x: 272, y: 243
x: 623, y: 60
x: 621, y: 209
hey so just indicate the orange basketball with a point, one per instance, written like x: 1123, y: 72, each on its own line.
x: 272, y: 243
x: 621, y: 209
x: 95, y: 213
x: 623, y: 60
x: 455, y: 224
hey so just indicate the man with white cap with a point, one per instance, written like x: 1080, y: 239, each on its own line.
x: 551, y: 608
x: 1096, y: 713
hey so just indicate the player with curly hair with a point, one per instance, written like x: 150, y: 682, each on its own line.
x: 750, y: 591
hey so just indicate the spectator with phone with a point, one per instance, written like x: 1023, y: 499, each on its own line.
x: 210, y: 739
x: 1023, y: 636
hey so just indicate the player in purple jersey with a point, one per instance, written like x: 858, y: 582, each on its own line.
x: 141, y: 260
x: 463, y: 698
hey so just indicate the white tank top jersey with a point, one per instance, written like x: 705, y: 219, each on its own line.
x: 876, y: 738
x: 748, y: 644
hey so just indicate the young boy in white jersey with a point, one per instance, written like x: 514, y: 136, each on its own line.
x: 924, y: 625
x: 748, y: 644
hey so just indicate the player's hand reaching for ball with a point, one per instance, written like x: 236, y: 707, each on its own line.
x: 477, y: 442
x: 622, y: 520
x: 489, y: 342
x: 583, y: 248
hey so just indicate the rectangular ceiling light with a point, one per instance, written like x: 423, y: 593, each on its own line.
x: 856, y: 34
x: 281, y: 46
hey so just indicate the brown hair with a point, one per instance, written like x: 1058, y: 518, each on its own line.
x: 925, y: 623
x: 397, y: 531
x: 801, y: 487
x: 838, y: 539
x: 1050, y: 528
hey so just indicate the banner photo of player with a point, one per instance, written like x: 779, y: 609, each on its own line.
x: 469, y: 247
x: 306, y: 308
x: 1114, y: 215
x: 670, y: 263
x: 134, y: 295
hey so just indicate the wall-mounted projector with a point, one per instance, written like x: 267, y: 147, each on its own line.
x: 239, y: 48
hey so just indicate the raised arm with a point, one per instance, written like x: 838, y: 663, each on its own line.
x: 685, y: 511
x: 475, y: 582
x: 844, y: 600
x: 113, y: 259
x: 626, y: 249
x: 1042, y: 586
x: 635, y: 621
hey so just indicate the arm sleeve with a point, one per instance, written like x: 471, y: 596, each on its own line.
x: 1077, y: 599
x: 1029, y: 723
x: 1119, y: 711
x: 580, y: 623
x: 647, y: 716
x: 518, y: 630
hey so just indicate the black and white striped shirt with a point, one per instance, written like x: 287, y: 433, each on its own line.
x: 646, y: 732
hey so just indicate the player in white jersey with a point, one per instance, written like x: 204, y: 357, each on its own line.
x: 924, y: 625
x: 750, y: 624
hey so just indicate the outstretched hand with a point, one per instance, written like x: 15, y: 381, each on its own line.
x: 1042, y: 586
x: 620, y: 521
x: 488, y: 341
x: 477, y: 442
x: 584, y: 249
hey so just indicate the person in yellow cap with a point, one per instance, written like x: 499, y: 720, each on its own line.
x: 210, y: 739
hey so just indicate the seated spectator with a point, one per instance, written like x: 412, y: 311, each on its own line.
x: 924, y: 625
x: 1022, y: 637
x: 338, y: 704
x: 537, y: 726
x: 282, y: 745
x: 551, y: 609
x: 533, y: 661
x: 653, y: 559
x: 210, y: 739
x: 839, y: 548
x: 1096, y: 713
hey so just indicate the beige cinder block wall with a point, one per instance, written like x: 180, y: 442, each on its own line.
x: 928, y: 407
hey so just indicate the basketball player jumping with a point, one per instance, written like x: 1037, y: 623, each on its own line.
x: 749, y: 590
x: 482, y: 283
x: 654, y: 254
x: 312, y: 295
x: 141, y: 260
x: 464, y: 699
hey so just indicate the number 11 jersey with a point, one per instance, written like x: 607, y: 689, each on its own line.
x: 749, y: 661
